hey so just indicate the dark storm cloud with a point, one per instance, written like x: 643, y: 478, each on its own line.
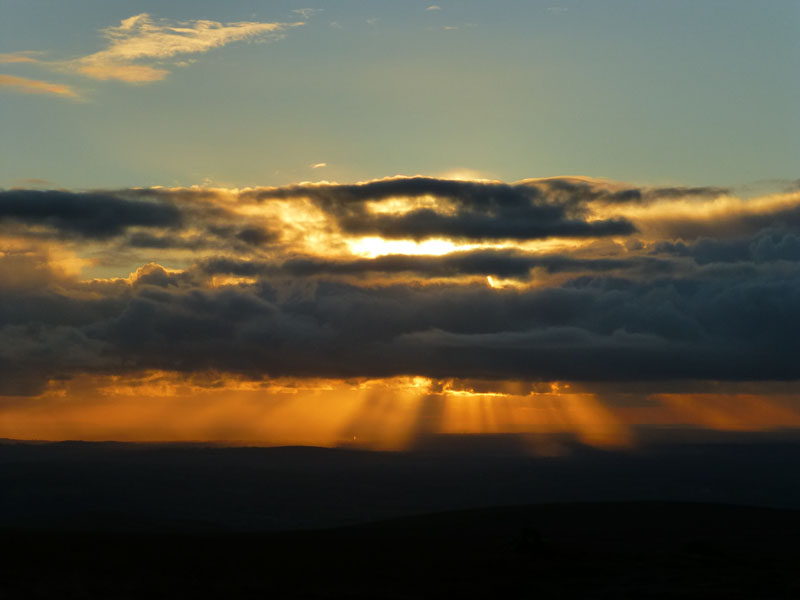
x: 88, y: 215
x: 255, y: 236
x: 214, y: 237
x: 530, y: 209
x: 584, y: 191
x: 477, y: 210
x: 338, y: 196
x: 482, y: 210
x: 163, y: 242
x: 650, y: 195
x: 725, y: 324
x: 164, y: 215
x: 530, y: 223
x: 481, y: 262
x: 502, y: 263
x: 767, y: 246
x: 736, y: 223
x: 565, y: 191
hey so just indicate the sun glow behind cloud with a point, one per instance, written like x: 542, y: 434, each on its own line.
x: 268, y: 309
x: 371, y: 247
x: 332, y: 314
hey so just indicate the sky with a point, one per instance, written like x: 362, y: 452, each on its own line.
x: 276, y: 222
x: 693, y: 93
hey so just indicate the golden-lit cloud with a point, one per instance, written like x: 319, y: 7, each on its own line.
x: 139, y: 45
x: 142, y: 49
x: 18, y: 57
x: 723, y: 215
x: 23, y: 85
x: 98, y: 69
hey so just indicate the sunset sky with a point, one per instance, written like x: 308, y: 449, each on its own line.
x: 367, y: 222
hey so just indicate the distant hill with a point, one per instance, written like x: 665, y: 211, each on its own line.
x: 192, y: 487
x: 596, y: 550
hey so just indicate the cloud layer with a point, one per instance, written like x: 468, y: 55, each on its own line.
x: 554, y: 279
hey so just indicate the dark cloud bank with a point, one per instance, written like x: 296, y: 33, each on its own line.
x: 534, y: 209
x: 501, y: 263
x: 731, y: 325
x: 529, y: 210
x: 150, y: 218
x: 482, y: 210
x: 695, y: 309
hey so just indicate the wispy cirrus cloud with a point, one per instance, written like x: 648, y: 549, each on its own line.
x: 23, y: 85
x: 140, y: 46
x: 141, y: 49
x: 18, y: 57
x: 307, y: 13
